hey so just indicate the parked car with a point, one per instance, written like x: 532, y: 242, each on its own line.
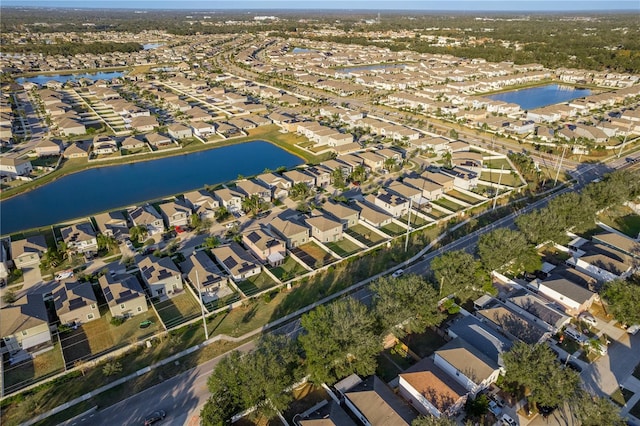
x: 508, y: 420
x: 588, y: 318
x: 398, y: 273
x: 154, y: 417
x: 495, y: 408
x: 64, y: 274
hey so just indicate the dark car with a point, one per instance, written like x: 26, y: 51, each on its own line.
x: 546, y: 410
x: 154, y: 417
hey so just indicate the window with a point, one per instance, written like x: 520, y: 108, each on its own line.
x: 122, y: 306
x: 139, y: 308
x: 93, y: 306
x: 90, y: 316
x: 24, y: 333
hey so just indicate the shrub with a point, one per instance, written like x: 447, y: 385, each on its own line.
x: 117, y: 321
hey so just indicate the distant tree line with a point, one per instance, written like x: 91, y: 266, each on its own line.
x: 72, y: 48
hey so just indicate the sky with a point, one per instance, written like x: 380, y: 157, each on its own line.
x: 375, y: 5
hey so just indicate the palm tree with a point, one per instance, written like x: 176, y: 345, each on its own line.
x: 389, y: 164
x: 253, y: 204
x: 300, y: 191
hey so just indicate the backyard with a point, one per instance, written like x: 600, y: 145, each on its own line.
x: 424, y: 344
x: 32, y: 370
x: 507, y: 179
x: 178, y: 309
x: 312, y: 255
x: 464, y: 197
x: 393, y: 229
x: 623, y: 219
x: 344, y: 247
x: 365, y: 235
x: 256, y: 284
x: 289, y: 269
x: 448, y: 204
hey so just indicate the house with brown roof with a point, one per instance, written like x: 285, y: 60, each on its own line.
x: 236, y: 261
x: 161, y: 275
x: 25, y: 325
x: 321, y: 175
x: 75, y: 302
x: 148, y: 217
x: 430, y: 190
x: 80, y: 237
x: 47, y: 148
x: 372, y: 215
x: 324, y: 228
x: 175, y: 213
x: 179, y: 131
x: 71, y: 127
x: 78, y: 149
x: 278, y: 184
x: 299, y: 176
x: 372, y: 160
x: 28, y: 252
x: 466, y: 365
x: 265, y: 247
x: 158, y: 140
x: 407, y: 191
x: 374, y: 403
x: 202, y: 203
x: 445, y: 181
x: 348, y: 216
x: 132, y: 143
x: 431, y: 391
x: 292, y: 232
x: 253, y: 187
x: 124, y: 295
x: 231, y: 199
x: 205, y: 276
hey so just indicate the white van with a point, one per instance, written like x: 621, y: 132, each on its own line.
x: 576, y: 335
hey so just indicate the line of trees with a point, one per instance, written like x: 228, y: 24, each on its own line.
x: 72, y: 48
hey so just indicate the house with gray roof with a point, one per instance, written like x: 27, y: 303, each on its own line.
x: 541, y: 311
x: 348, y: 216
x: 291, y: 231
x: 124, y: 294
x: 75, y: 302
x: 205, y: 276
x: 112, y: 224
x: 148, y: 217
x: 573, y: 297
x: 486, y: 340
x: 80, y: 237
x: 161, y: 275
x: 236, y: 261
x: 25, y: 325
x: 265, y: 247
x: 175, y: 213
x: 372, y: 215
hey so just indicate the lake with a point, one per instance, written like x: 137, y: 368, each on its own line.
x: 107, y: 188
x: 537, y: 97
x: 63, y: 78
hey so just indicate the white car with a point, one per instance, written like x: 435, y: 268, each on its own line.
x: 507, y: 420
x: 398, y: 273
x: 588, y: 318
x: 64, y: 275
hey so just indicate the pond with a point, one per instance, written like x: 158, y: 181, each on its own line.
x: 536, y: 97
x: 106, y: 188
x: 63, y: 78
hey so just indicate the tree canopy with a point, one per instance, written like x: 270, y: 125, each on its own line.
x: 340, y: 340
x: 458, y: 273
x: 504, y: 245
x: 406, y: 304
x: 623, y: 300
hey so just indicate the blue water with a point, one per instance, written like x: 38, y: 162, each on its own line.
x: 107, y: 188
x: 537, y: 97
x: 151, y: 46
x: 63, y: 78
x: 301, y: 50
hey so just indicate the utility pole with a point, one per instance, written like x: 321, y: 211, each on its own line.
x: 495, y: 197
x: 624, y: 141
x: 406, y: 241
x: 555, y: 182
x: 204, y: 320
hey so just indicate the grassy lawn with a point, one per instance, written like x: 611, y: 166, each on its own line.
x: 343, y: 248
x: 623, y: 219
x: 424, y: 344
x: 255, y: 313
x: 436, y: 214
x: 289, y: 269
x: 256, y: 283
x: 464, y: 197
x: 621, y: 396
x: 393, y: 229
x: 507, y: 178
x: 98, y: 336
x: 314, y: 256
x: 386, y: 369
x: 416, y: 221
x: 497, y: 163
x: 448, y: 204
x: 224, y: 301
x: 27, y: 372
x: 178, y: 309
x: 569, y: 345
x: 365, y: 235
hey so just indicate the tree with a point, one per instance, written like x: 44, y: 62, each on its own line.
x: 138, y: 232
x: 253, y: 204
x: 212, y: 242
x: 300, y: 191
x: 9, y: 297
x: 453, y: 134
x: 503, y: 245
x: 111, y: 367
x: 623, y: 300
x: 337, y: 179
x: 359, y: 174
x: 536, y: 368
x: 596, y: 411
x: 458, y: 273
x: 433, y: 421
x: 195, y: 221
x: 389, y: 164
x: 221, y: 214
x: 408, y: 304
x: 340, y: 340
x: 478, y: 407
x: 106, y: 242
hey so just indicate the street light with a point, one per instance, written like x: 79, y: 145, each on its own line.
x: 204, y: 320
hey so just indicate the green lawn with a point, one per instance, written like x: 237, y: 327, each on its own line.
x: 178, y: 309
x: 497, y: 163
x: 436, y: 214
x: 343, y: 248
x: 507, y: 178
x: 386, y: 369
x: 289, y: 269
x: 27, y: 372
x: 393, y: 229
x: 464, y: 197
x: 256, y: 284
x: 219, y: 303
x: 448, y: 204
x: 416, y: 221
x: 621, y: 396
x: 623, y: 219
x: 365, y: 235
